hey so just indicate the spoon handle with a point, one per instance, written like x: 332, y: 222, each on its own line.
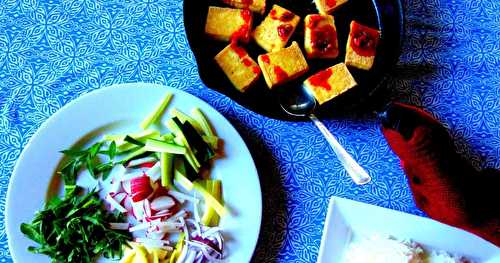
x: 357, y: 173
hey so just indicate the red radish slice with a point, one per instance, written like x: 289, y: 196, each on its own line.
x: 126, y: 185
x: 114, y: 204
x: 154, y: 172
x: 146, y: 161
x: 162, y: 203
x: 132, y: 175
x: 137, y: 207
x: 120, y: 197
x: 140, y: 188
x: 142, y: 226
x: 119, y: 226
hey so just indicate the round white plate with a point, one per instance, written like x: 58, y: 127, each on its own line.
x: 117, y: 109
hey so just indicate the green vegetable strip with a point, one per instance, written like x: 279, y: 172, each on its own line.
x: 166, y: 165
x: 156, y: 114
x: 133, y: 154
x: 184, y: 117
x: 126, y: 146
x: 213, y: 141
x: 180, y: 174
x: 181, y: 140
x: 203, y: 121
x: 163, y: 147
x: 211, y: 200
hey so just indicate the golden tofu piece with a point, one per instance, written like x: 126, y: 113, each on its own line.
x: 329, y: 83
x: 283, y: 65
x: 238, y: 66
x: 276, y: 29
x: 326, y: 7
x: 257, y: 6
x: 229, y: 24
x: 320, y: 37
x: 361, y: 46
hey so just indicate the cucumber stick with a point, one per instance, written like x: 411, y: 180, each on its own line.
x: 166, y: 165
x: 184, y: 117
x: 164, y: 147
x: 210, y: 217
x: 203, y: 122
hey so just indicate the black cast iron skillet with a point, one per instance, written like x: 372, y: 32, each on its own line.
x: 386, y: 15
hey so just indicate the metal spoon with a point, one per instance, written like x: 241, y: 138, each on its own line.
x: 297, y: 101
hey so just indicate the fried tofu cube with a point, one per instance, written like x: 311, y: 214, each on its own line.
x: 329, y: 83
x: 276, y: 29
x: 283, y: 65
x: 361, y: 46
x: 238, y: 66
x: 326, y: 7
x: 320, y: 37
x: 257, y: 6
x: 229, y: 24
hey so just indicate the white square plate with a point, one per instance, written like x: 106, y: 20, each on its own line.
x: 347, y: 219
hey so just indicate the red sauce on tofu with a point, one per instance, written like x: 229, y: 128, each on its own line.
x: 247, y: 62
x: 320, y: 79
x: 265, y: 58
x: 331, y: 3
x: 323, y: 38
x: 243, y: 33
x: 239, y: 50
x: 284, y: 31
x: 364, y: 40
x: 314, y: 21
x: 256, y: 69
x: 281, y: 75
x: 285, y: 16
x: 246, y: 15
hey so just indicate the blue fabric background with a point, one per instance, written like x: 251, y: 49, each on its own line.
x: 51, y: 52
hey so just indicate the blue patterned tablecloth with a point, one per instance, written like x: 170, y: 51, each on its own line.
x: 52, y: 52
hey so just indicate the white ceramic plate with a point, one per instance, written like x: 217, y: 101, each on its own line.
x: 117, y: 109
x: 346, y: 220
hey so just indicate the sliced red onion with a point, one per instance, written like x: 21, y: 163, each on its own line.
x: 114, y: 204
x: 162, y: 203
x: 119, y: 226
x: 140, y: 161
x: 217, y: 258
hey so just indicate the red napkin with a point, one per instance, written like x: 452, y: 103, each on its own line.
x: 446, y: 187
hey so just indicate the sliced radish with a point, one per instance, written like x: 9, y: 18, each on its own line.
x: 154, y: 172
x: 114, y: 204
x: 137, y: 207
x: 140, y: 161
x: 132, y: 175
x: 140, y: 188
x: 183, y: 197
x: 162, y: 203
x: 147, y: 207
x: 126, y: 185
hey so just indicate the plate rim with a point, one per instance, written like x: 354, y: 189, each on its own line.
x: 96, y: 93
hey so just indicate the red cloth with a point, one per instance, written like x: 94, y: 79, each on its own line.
x: 447, y: 188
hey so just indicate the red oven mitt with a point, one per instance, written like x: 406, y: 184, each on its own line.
x: 446, y: 187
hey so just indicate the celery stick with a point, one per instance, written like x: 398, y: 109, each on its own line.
x: 133, y: 154
x: 156, y: 114
x: 184, y: 117
x: 168, y: 137
x: 180, y: 174
x: 211, y: 200
x: 164, y: 147
x: 203, y: 121
x: 166, y: 163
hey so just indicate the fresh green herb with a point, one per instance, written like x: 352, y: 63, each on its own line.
x: 75, y: 229
x: 87, y: 158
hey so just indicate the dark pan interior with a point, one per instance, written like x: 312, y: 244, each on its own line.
x: 386, y: 15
